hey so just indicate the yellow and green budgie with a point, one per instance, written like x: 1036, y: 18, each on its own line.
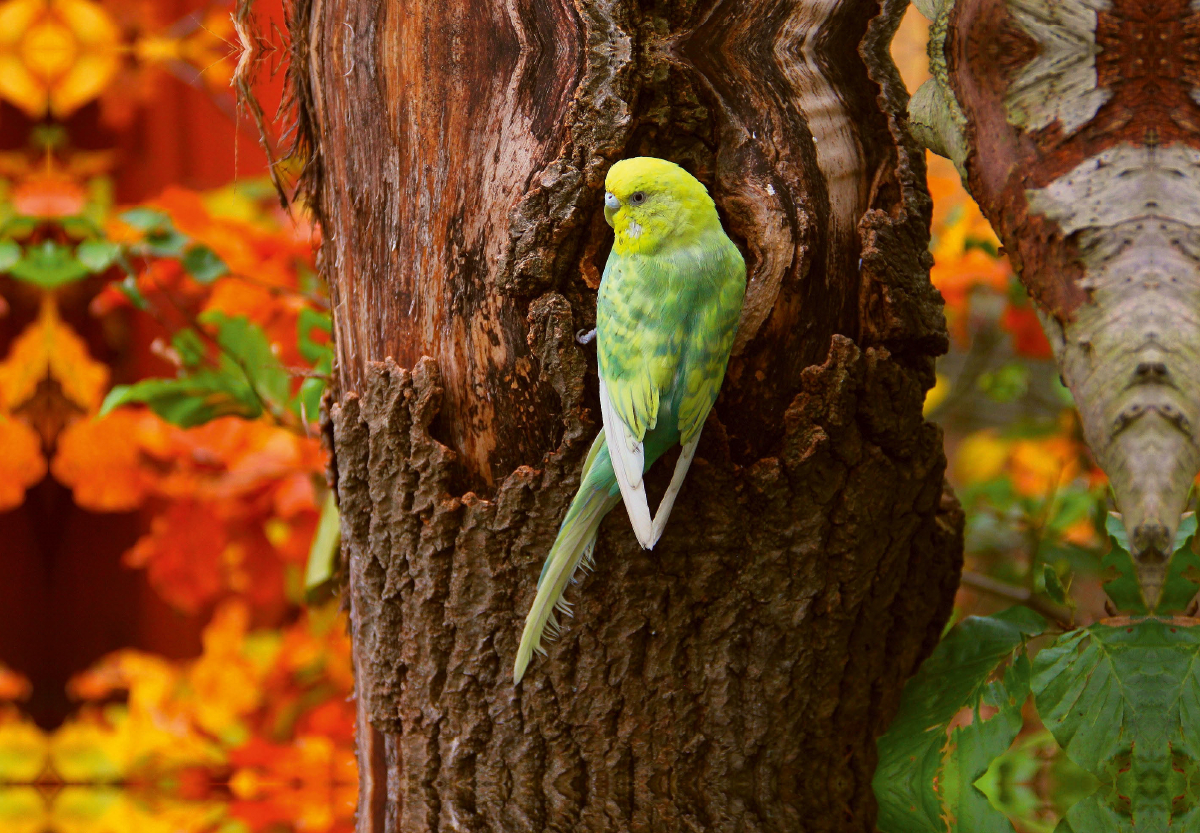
x: 669, y: 304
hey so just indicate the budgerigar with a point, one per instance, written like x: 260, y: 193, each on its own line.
x: 669, y: 304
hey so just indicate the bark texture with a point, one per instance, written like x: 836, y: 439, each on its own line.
x: 735, y: 678
x: 1076, y: 125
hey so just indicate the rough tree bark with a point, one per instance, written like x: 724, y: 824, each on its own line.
x: 736, y: 677
x: 1076, y: 126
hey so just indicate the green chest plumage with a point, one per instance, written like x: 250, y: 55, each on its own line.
x: 665, y: 323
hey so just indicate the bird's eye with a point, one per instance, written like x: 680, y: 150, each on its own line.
x: 637, y: 197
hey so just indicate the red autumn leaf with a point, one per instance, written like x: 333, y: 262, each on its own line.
x: 1028, y: 337
x: 183, y: 554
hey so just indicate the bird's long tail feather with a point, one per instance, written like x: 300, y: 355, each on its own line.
x: 573, y: 547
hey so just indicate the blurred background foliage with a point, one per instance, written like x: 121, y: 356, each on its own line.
x: 163, y: 349
x: 164, y: 344
x: 1053, y: 703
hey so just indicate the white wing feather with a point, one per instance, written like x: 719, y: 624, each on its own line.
x: 628, y: 459
x: 668, y: 500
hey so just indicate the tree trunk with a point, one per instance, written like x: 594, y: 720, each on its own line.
x: 1076, y: 125
x: 735, y: 678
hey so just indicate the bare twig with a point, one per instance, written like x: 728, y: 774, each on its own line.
x: 1061, y: 616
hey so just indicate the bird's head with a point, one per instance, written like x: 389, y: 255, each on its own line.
x: 651, y: 201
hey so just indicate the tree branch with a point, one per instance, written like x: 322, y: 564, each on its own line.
x: 1061, y: 616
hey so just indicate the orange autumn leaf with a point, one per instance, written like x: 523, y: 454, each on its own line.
x: 252, y: 565
x: 265, y: 257
x: 49, y: 348
x: 1039, y: 467
x: 21, y: 462
x: 1082, y: 533
x: 309, y: 783
x: 277, y: 313
x: 239, y: 460
x: 240, y: 500
x: 13, y: 685
x: 956, y: 276
x: 106, y: 460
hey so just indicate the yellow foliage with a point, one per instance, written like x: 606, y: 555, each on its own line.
x: 23, y: 810
x: 79, y: 809
x: 56, y: 55
x: 936, y: 394
x: 980, y: 456
x: 23, y: 749
x: 48, y: 348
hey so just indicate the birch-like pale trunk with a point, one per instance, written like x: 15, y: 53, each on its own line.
x: 1076, y: 126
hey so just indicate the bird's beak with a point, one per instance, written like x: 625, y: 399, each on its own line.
x: 611, y: 206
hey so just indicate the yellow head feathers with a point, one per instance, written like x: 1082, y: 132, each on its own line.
x: 649, y: 202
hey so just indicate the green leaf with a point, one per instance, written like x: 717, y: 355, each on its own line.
x: 190, y: 400
x: 97, y: 255
x: 1094, y: 815
x: 1054, y: 586
x: 147, y: 219
x: 80, y: 226
x: 165, y: 243
x: 1007, y: 383
x: 306, y: 322
x: 202, y: 263
x: 10, y: 253
x: 323, y: 555
x: 48, y: 266
x: 1033, y: 778
x: 129, y: 289
x: 307, y: 404
x: 247, y: 349
x: 974, y: 747
x: 18, y: 227
x: 1126, y: 694
x: 190, y: 346
x: 955, y: 675
x: 247, y: 380
x: 1183, y: 574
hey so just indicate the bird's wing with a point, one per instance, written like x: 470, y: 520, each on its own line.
x: 705, y: 356
x: 638, y: 348
x: 706, y: 352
